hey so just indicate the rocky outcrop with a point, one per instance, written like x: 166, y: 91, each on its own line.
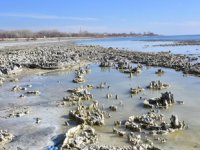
x: 157, y: 85
x: 79, y: 75
x: 5, y: 137
x: 166, y: 100
x: 90, y: 115
x: 79, y: 94
x: 136, y: 90
x: 79, y: 137
x: 160, y: 72
x: 137, y: 128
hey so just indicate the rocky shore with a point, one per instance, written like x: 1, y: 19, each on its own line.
x: 85, y: 111
x: 60, y: 55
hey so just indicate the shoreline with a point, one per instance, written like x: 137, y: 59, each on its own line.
x: 66, y: 53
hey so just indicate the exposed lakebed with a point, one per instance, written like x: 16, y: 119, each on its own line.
x: 53, y: 87
x: 39, y: 108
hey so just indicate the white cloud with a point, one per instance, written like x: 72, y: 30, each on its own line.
x: 66, y: 28
x: 47, y: 17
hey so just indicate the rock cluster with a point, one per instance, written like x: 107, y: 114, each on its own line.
x: 113, y: 108
x: 160, y: 71
x: 79, y: 137
x: 90, y: 115
x: 18, y: 88
x: 5, y: 137
x: 166, y: 100
x: 162, y: 59
x: 106, y: 64
x: 157, y: 85
x: 19, y: 112
x: 136, y: 90
x: 2, y: 81
x: 105, y: 147
x: 79, y: 94
x: 84, y: 137
x: 135, y: 70
x: 33, y: 92
x: 151, y: 123
x: 79, y: 78
x: 59, y: 55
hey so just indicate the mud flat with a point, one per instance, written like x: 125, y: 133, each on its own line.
x: 48, y: 110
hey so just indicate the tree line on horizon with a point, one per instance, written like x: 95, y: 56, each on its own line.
x: 4, y: 34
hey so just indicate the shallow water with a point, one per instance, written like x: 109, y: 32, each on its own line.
x: 53, y: 87
x: 148, y: 44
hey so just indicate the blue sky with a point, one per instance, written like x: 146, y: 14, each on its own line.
x: 160, y: 16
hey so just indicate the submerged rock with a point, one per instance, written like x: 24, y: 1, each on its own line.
x: 78, y: 80
x: 135, y: 70
x: 19, y: 112
x: 33, y: 92
x: 38, y: 120
x: 106, y: 64
x: 160, y: 72
x: 101, y: 85
x: 113, y: 108
x: 17, y: 89
x: 136, y: 90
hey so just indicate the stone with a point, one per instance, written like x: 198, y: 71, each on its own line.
x: 157, y: 85
x: 38, y: 120
x: 160, y: 72
x: 152, y: 123
x: 5, y: 137
x: 136, y: 90
x: 78, y: 94
x: 113, y: 108
x: 79, y: 137
x: 33, y: 93
x: 90, y: 115
x: 166, y: 100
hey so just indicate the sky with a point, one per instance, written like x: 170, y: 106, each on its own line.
x: 167, y: 17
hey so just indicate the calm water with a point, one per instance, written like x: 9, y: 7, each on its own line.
x: 147, y: 44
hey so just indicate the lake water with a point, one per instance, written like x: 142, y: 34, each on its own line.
x: 148, y: 44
